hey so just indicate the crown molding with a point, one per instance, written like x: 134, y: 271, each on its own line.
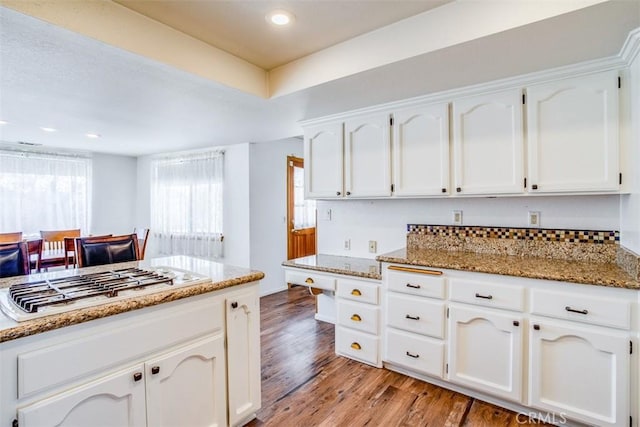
x: 631, y: 47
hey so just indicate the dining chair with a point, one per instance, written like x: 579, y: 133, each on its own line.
x: 14, y: 259
x: 11, y: 237
x: 34, y: 248
x: 143, y: 236
x: 92, y: 251
x: 54, y: 239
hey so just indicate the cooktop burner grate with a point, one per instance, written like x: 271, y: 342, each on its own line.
x: 33, y: 296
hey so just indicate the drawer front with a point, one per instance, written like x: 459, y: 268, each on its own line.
x: 595, y: 310
x: 310, y: 278
x: 509, y: 297
x: 357, y: 290
x: 420, y: 354
x: 419, y: 315
x: 363, y: 317
x: 358, y: 345
x: 430, y: 283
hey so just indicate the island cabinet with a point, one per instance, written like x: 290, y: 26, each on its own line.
x: 421, y: 151
x: 572, y: 135
x: 488, y: 144
x: 559, y: 351
x: 165, y: 365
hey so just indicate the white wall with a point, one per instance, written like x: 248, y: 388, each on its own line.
x: 630, y: 203
x: 236, y: 224
x: 114, y: 194
x: 385, y: 221
x: 268, y: 190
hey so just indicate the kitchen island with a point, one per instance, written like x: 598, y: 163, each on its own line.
x: 183, y: 356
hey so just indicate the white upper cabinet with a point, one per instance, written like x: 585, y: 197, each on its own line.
x: 572, y: 131
x: 367, y: 156
x: 323, y: 148
x: 488, y: 144
x: 421, y: 151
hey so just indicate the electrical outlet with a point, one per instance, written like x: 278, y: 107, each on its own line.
x: 373, y: 246
x: 347, y: 244
x: 534, y: 219
x: 457, y: 217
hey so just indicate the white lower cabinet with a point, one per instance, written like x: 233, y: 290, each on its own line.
x: 485, y: 350
x: 580, y: 373
x: 115, y: 400
x: 358, y: 320
x: 558, y: 351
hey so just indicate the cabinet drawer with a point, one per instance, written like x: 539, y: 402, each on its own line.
x: 363, y: 317
x: 509, y: 297
x: 427, y: 283
x: 595, y: 310
x: 418, y: 315
x: 310, y: 278
x: 358, y: 345
x: 420, y: 354
x: 357, y: 290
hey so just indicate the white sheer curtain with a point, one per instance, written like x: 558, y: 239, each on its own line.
x: 186, y: 204
x: 304, y: 214
x: 44, y: 191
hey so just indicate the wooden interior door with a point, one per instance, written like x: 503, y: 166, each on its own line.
x: 301, y: 216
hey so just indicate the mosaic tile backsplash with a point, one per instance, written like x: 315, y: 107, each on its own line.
x: 580, y: 245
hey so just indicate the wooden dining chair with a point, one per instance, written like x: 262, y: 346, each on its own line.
x: 34, y: 248
x: 143, y: 235
x: 14, y: 259
x: 54, y: 239
x: 11, y: 237
x: 92, y: 251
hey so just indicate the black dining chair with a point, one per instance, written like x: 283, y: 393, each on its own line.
x: 14, y: 259
x: 101, y: 250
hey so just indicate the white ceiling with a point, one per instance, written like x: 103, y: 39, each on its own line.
x: 50, y: 76
x: 240, y: 28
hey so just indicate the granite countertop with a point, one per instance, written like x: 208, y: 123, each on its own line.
x: 222, y: 276
x: 592, y: 273
x: 358, y: 267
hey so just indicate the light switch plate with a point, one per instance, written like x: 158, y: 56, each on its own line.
x: 457, y: 217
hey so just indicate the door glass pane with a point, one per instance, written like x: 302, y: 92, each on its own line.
x: 304, y: 211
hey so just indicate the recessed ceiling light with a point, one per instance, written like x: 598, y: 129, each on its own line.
x: 280, y: 17
x: 46, y: 129
x: 92, y: 135
x: 3, y: 122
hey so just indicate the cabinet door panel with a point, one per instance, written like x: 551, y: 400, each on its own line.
x: 572, y: 131
x: 488, y: 144
x: 367, y: 157
x: 187, y: 386
x: 115, y: 400
x: 485, y: 351
x: 421, y: 151
x: 243, y: 349
x: 579, y: 372
x: 323, y: 154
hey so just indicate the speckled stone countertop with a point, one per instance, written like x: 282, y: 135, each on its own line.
x: 358, y: 267
x: 592, y: 273
x: 222, y: 276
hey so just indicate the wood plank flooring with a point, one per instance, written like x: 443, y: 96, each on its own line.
x: 305, y: 384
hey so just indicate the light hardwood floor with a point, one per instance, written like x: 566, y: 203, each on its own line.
x: 305, y: 384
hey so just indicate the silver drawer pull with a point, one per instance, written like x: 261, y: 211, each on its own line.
x: 408, y: 316
x: 415, y: 356
x: 409, y: 285
x: 484, y: 296
x: 576, y: 311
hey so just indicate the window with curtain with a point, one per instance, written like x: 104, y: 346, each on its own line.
x: 44, y: 191
x: 186, y: 204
